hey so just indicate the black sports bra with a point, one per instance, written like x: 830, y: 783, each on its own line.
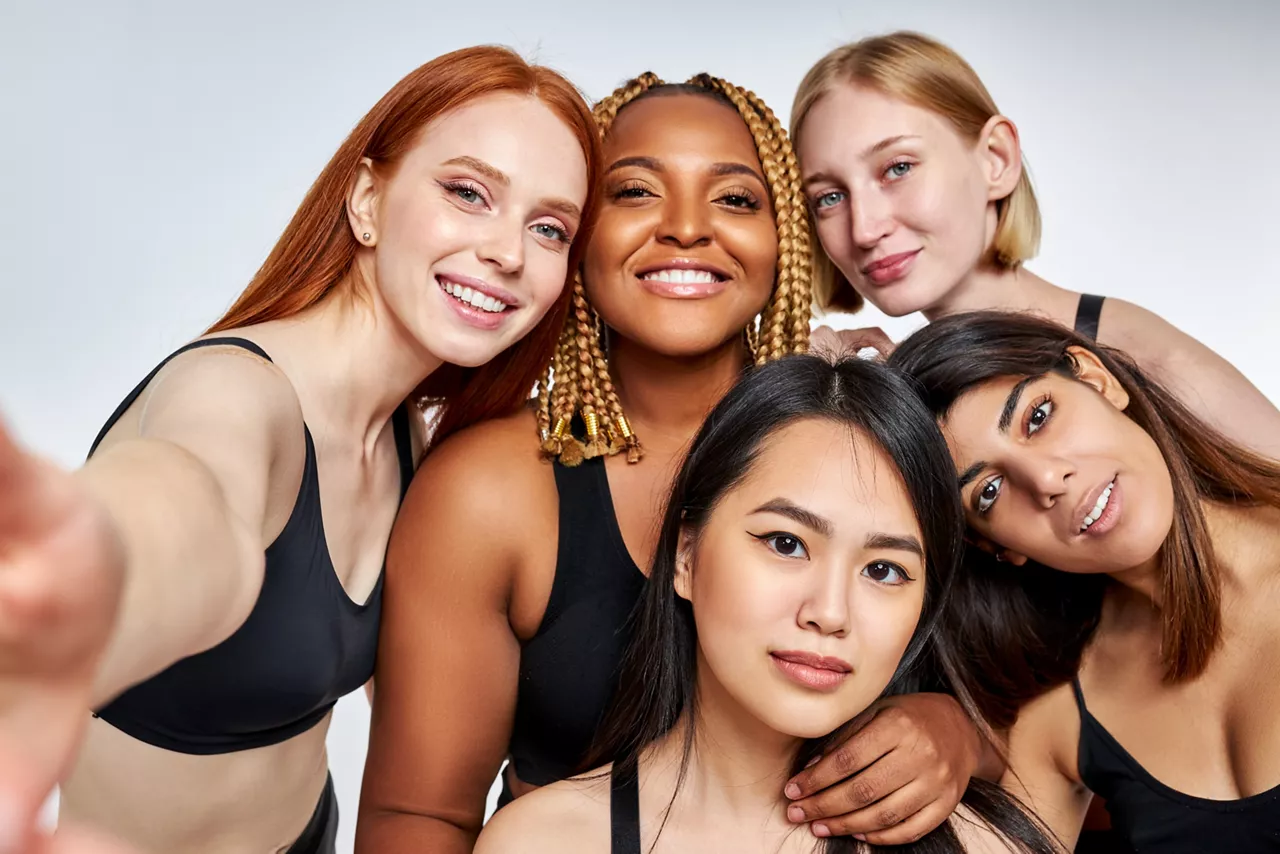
x: 1152, y: 817
x: 304, y: 645
x: 1088, y: 313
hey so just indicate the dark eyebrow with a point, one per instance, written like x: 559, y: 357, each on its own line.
x: 650, y: 163
x: 971, y: 472
x: 1011, y: 403
x: 791, y: 510
x: 492, y: 173
x: 896, y: 542
x: 721, y: 169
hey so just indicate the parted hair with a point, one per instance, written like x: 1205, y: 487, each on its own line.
x: 577, y: 387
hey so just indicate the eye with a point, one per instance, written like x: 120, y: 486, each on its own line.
x: 632, y: 191
x: 784, y: 545
x: 898, y: 170
x: 885, y: 572
x: 988, y: 493
x: 1039, y: 415
x: 551, y: 231
x: 467, y: 192
x: 739, y: 198
x: 828, y: 200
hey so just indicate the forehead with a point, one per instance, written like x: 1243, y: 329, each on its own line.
x: 853, y: 116
x: 518, y: 134
x: 834, y: 471
x: 681, y: 127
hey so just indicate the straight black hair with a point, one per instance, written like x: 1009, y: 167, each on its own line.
x: 659, y: 670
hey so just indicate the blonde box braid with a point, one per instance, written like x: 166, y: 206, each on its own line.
x: 578, y: 382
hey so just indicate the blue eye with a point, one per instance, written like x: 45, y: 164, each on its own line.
x: 827, y: 200
x: 553, y: 232
x: 898, y: 170
x: 468, y: 193
x: 886, y: 573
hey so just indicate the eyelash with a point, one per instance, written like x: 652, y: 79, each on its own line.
x: 893, y: 567
x: 900, y: 162
x: 1036, y: 407
x: 636, y: 190
x: 748, y: 198
x: 460, y: 187
x: 561, y: 234
x: 767, y: 540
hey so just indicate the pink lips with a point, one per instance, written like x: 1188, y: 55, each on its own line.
x: 1110, y: 515
x: 469, y: 314
x: 818, y: 672
x: 890, y: 268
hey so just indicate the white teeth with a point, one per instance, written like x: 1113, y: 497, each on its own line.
x: 1096, y: 512
x: 682, y: 277
x: 475, y: 299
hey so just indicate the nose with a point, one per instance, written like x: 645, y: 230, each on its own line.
x: 870, y: 215
x: 686, y: 220
x: 1045, y: 476
x: 502, y: 245
x: 825, y: 607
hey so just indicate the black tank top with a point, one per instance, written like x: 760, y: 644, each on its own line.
x: 624, y: 810
x: 569, y: 668
x: 304, y: 645
x: 1088, y: 313
x: 1155, y: 818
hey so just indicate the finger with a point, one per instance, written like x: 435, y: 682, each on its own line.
x: 869, y: 336
x: 867, y: 743
x: 887, y: 813
x: 924, y: 821
x: 823, y: 341
x: 867, y: 788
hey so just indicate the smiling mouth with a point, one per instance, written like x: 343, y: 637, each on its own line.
x: 1099, y: 507
x: 473, y: 298
x: 675, y: 276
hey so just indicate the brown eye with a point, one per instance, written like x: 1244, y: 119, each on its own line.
x: 988, y: 493
x: 1039, y: 416
x: 886, y: 573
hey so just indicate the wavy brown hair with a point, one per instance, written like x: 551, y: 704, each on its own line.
x: 1026, y: 628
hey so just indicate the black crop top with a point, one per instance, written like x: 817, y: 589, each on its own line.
x: 569, y: 668
x: 1155, y: 818
x: 304, y: 645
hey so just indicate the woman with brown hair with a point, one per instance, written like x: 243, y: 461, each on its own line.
x: 211, y: 580
x: 1122, y: 602
x: 511, y: 577
x: 921, y: 201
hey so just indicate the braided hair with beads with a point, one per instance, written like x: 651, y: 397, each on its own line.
x: 578, y: 383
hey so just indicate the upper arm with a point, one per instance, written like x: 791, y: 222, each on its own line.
x: 448, y: 656
x: 1042, y: 771
x: 1210, y: 386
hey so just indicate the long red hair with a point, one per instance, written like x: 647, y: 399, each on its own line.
x: 317, y: 248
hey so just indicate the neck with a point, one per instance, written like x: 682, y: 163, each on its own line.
x: 988, y: 287
x: 350, y: 361
x: 667, y: 397
x: 738, y: 765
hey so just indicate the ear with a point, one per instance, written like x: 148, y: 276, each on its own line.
x: 1091, y: 371
x: 978, y: 541
x: 362, y: 203
x: 1001, y: 154
x: 683, y: 581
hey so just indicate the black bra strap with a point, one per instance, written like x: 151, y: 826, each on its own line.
x: 1088, y: 312
x: 1079, y: 692
x: 404, y: 445
x: 243, y: 343
x: 624, y: 809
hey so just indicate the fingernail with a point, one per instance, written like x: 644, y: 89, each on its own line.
x: 814, y: 761
x: 861, y: 837
x: 794, y: 813
x: 792, y: 791
x: 821, y: 830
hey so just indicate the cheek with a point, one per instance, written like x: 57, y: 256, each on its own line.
x: 546, y: 273
x: 740, y: 599
x: 883, y: 623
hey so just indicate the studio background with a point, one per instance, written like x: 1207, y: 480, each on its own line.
x: 153, y: 152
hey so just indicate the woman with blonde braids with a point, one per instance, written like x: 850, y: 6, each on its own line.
x: 519, y: 552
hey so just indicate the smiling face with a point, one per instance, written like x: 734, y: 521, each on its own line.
x: 683, y: 254
x: 472, y: 229
x: 1052, y: 469
x: 807, y: 581
x: 904, y: 206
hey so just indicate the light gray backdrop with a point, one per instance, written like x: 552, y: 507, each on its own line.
x: 153, y: 151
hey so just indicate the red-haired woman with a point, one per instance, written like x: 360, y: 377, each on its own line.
x: 186, y: 582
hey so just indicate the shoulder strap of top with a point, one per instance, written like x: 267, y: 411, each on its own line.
x: 624, y: 809
x: 1088, y: 312
x: 404, y: 446
x: 1079, y: 692
x: 242, y: 343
